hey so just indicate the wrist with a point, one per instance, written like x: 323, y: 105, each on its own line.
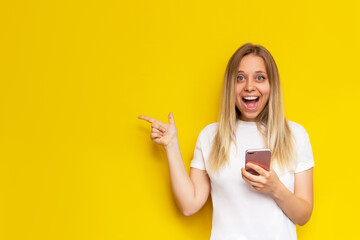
x: 280, y: 192
x: 173, y: 142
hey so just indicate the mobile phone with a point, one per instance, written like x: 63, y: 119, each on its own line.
x: 260, y: 157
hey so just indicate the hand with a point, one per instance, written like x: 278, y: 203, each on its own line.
x: 162, y: 133
x: 267, y: 182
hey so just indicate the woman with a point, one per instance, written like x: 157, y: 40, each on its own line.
x: 245, y: 206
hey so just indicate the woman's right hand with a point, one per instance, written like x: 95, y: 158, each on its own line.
x: 162, y: 133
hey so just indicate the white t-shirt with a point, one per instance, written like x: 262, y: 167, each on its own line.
x: 239, y: 211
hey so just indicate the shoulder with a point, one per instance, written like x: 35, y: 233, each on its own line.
x: 296, y: 128
x: 303, y: 149
x: 212, y: 127
x: 299, y: 133
x: 209, y: 131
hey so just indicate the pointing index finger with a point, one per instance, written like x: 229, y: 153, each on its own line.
x: 154, y: 123
x: 149, y: 119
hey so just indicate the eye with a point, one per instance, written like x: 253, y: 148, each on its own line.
x: 260, y: 78
x: 240, y: 78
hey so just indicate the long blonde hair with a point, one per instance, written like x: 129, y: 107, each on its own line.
x: 271, y: 122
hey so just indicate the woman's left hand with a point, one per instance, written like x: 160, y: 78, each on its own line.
x: 267, y: 182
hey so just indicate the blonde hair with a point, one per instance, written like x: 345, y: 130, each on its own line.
x: 271, y: 122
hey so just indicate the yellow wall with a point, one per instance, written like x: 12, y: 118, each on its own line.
x: 76, y: 163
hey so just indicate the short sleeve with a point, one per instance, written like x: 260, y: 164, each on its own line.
x: 198, y: 159
x: 305, y: 159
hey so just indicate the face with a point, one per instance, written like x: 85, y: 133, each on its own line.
x: 252, y: 88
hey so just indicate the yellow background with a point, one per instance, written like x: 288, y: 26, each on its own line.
x: 76, y: 163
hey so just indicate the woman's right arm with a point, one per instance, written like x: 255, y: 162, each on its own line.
x: 191, y: 192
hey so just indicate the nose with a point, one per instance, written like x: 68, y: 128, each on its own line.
x: 250, y: 85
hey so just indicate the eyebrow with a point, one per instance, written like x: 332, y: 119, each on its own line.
x: 259, y: 71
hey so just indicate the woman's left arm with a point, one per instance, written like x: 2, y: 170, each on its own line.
x: 298, y: 205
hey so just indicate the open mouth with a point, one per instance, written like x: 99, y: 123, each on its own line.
x: 251, y: 103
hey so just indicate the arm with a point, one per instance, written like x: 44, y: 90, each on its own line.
x: 298, y: 205
x: 191, y: 192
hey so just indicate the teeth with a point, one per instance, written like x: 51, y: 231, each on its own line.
x: 250, y: 98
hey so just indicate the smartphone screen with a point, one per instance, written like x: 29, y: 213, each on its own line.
x: 260, y: 157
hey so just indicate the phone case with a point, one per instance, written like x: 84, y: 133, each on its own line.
x: 260, y: 157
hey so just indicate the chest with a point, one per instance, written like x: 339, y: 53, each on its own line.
x: 229, y: 178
